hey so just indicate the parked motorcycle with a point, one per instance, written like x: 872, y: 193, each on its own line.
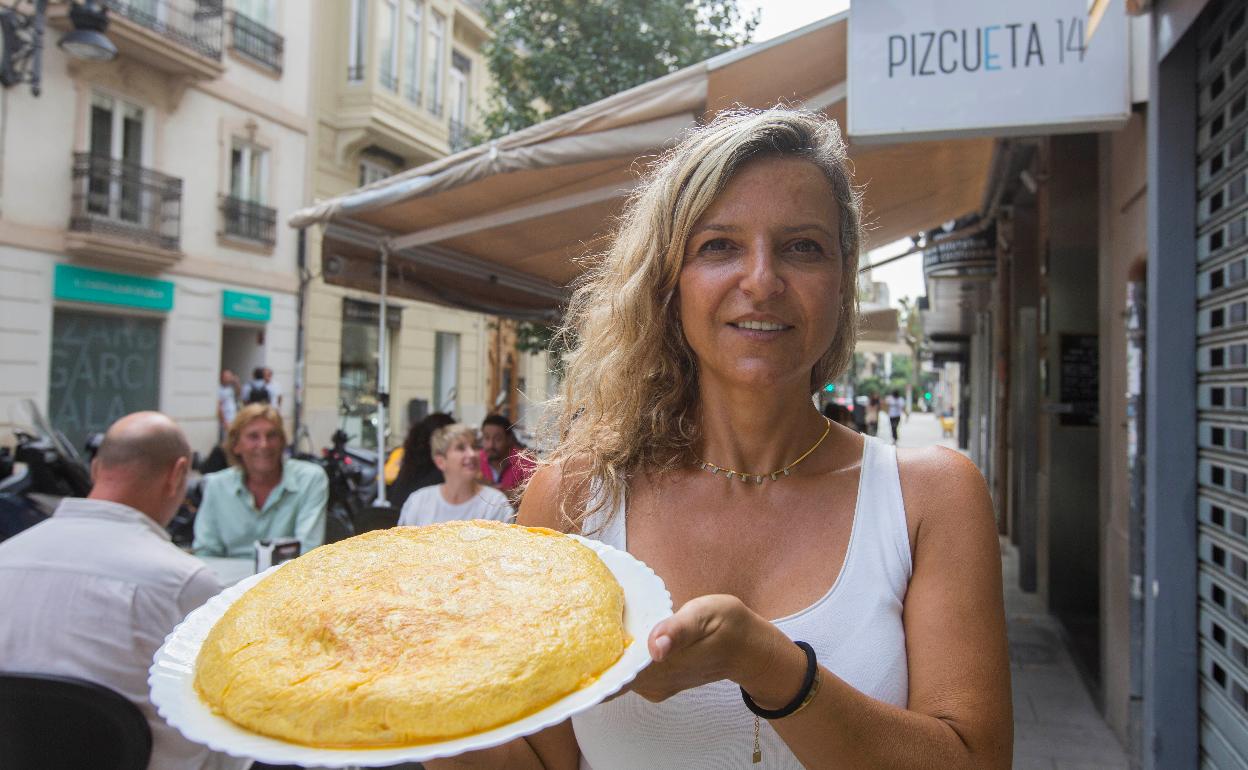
x: 43, y: 468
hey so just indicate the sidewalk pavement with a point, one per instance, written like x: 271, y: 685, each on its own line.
x: 1056, y: 724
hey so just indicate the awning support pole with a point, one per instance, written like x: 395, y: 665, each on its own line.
x: 383, y: 378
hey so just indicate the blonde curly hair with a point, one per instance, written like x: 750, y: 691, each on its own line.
x: 628, y: 401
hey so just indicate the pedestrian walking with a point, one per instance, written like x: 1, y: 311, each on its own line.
x: 873, y: 414
x: 227, y: 403
x: 255, y: 391
x: 896, y: 408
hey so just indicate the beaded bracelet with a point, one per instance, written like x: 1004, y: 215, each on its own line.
x: 810, y: 686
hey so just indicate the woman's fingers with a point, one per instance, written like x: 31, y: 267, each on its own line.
x: 694, y: 621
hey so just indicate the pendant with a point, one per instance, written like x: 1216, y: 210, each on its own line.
x: 758, y: 756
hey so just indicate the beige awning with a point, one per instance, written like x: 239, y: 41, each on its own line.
x: 500, y: 227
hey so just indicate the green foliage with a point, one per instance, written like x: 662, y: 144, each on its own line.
x: 534, y: 337
x: 551, y: 56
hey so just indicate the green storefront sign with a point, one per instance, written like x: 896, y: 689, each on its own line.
x: 246, y: 307
x: 80, y: 284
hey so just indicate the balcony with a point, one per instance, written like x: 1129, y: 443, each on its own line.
x: 459, y: 138
x: 180, y: 38
x: 248, y: 221
x: 256, y: 42
x: 124, y: 213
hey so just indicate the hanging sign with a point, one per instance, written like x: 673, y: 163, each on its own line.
x: 929, y: 69
x: 246, y: 307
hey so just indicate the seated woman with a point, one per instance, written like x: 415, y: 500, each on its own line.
x: 688, y: 437
x: 462, y: 496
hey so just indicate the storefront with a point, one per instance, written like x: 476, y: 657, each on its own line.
x: 106, y: 347
x: 89, y: 342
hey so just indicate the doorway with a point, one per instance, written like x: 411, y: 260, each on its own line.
x: 242, y: 349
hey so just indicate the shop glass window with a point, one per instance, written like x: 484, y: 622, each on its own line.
x: 358, y: 369
x: 445, y: 372
x: 103, y: 367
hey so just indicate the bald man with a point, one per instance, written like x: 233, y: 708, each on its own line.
x: 93, y: 591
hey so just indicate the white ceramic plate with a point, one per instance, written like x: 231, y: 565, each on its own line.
x: 646, y: 602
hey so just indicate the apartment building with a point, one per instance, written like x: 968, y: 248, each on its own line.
x: 399, y: 83
x: 142, y: 200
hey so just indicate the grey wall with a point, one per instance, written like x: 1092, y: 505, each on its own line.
x: 1073, y: 494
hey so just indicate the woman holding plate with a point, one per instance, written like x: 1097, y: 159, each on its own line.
x: 839, y: 600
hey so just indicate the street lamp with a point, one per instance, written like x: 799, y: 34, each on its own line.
x: 22, y: 38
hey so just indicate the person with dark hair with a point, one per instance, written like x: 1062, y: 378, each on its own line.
x: 93, y: 591
x: 418, y: 469
x: 896, y: 407
x: 256, y: 391
x: 840, y: 414
x: 504, y: 464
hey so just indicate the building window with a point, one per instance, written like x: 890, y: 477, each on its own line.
x: 388, y: 45
x: 251, y: 33
x: 411, y: 55
x: 243, y: 212
x: 356, y: 43
x: 103, y: 367
x: 249, y: 171
x: 461, y: 79
x: 437, y: 51
x: 117, y: 130
x: 445, y: 372
x: 372, y: 170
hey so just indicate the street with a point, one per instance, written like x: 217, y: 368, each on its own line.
x: 1056, y: 723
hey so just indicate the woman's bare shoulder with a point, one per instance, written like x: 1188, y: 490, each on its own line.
x: 941, y: 489
x: 555, y: 496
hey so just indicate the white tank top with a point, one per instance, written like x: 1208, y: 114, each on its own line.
x: 855, y: 629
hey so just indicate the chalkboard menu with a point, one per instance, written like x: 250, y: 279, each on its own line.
x: 1078, y: 384
x: 103, y: 367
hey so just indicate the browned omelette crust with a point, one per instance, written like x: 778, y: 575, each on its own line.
x: 414, y: 634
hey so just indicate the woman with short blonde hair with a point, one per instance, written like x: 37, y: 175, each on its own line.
x: 838, y: 600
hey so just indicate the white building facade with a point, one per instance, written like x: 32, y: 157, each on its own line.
x: 142, y: 248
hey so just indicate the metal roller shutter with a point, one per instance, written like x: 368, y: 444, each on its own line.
x: 1222, y: 358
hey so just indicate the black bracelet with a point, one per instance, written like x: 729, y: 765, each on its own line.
x: 812, y: 668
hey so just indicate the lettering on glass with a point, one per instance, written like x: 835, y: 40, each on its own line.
x: 103, y: 367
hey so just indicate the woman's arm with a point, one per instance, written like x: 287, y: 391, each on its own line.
x: 959, y: 713
x: 555, y: 747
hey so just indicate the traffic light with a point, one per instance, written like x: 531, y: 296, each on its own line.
x: 927, y: 395
x: 830, y: 387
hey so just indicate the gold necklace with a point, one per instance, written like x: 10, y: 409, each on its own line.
x: 758, y: 479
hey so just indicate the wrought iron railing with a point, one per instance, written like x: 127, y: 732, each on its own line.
x: 413, y: 91
x: 256, y: 41
x: 435, y: 107
x: 113, y: 197
x: 196, y: 24
x: 249, y: 220
x: 389, y: 80
x: 458, y: 136
x: 355, y: 73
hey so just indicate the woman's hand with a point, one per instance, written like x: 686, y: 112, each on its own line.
x: 717, y: 637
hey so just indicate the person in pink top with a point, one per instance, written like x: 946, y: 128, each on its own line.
x: 504, y: 463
